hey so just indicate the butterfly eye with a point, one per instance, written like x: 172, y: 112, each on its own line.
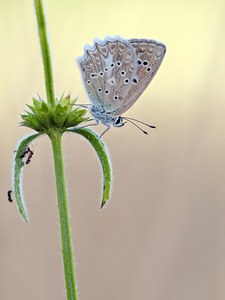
x: 115, y: 97
x: 117, y: 121
x: 106, y: 91
x: 89, y: 93
x: 105, y: 69
x: 99, y: 90
x: 135, y: 81
x: 88, y: 81
x: 122, y: 73
x: 118, y: 63
x: 112, y: 65
x: 148, y: 69
x: 126, y: 80
x: 139, y: 62
x: 145, y: 62
x: 101, y: 73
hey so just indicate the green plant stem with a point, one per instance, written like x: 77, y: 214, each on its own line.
x: 45, y: 51
x: 67, y: 250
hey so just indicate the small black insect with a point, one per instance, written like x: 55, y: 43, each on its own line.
x: 30, y: 154
x: 23, y: 154
x: 9, y: 193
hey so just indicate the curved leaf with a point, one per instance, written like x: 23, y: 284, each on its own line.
x: 103, y: 156
x: 17, y: 174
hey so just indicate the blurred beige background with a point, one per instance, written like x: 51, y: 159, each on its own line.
x: 161, y: 236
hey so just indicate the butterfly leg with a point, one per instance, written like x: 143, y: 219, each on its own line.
x: 81, y: 105
x: 88, y: 120
x: 107, y: 128
x: 94, y: 124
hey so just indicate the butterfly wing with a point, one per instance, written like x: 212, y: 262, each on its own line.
x: 107, y: 70
x: 149, y: 58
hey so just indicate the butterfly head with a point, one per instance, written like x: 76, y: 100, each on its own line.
x: 118, y: 121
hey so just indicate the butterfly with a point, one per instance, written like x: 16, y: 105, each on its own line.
x: 115, y: 72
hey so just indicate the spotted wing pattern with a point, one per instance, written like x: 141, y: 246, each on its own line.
x: 108, y: 69
x: 149, y: 58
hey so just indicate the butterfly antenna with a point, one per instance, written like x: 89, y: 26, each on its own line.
x: 128, y: 120
x: 151, y: 126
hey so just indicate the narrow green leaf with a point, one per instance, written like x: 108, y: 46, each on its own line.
x: 73, y: 120
x: 36, y: 103
x: 44, y: 107
x: 73, y: 101
x: 65, y: 102
x: 17, y: 175
x: 30, y: 107
x: 62, y: 96
x: 103, y: 156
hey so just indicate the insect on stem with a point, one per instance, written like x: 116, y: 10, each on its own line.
x: 9, y: 193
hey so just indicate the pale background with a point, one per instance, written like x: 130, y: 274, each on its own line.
x: 161, y: 237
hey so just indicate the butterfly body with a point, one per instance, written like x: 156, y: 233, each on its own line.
x: 106, y: 117
x: 115, y: 72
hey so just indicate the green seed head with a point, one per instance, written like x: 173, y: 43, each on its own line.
x: 42, y: 116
